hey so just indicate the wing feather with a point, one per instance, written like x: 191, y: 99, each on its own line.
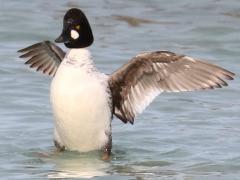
x: 137, y: 83
x: 44, y: 56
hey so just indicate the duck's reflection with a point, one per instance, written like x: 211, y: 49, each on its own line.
x: 75, y: 165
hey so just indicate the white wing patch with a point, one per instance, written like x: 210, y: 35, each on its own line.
x: 74, y: 34
x: 190, y: 59
x: 139, y: 97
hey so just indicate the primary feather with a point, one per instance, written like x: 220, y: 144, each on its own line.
x: 137, y: 83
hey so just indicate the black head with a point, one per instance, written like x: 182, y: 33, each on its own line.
x: 76, y: 31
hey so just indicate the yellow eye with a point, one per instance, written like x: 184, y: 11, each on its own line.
x: 77, y: 27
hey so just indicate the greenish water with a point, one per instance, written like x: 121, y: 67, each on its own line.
x: 180, y: 136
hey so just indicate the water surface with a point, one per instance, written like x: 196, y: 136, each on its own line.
x: 180, y: 136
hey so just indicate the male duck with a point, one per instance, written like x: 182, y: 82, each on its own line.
x: 84, y: 100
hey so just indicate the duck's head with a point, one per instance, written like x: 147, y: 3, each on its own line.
x: 76, y: 32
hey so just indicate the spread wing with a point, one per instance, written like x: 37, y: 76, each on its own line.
x: 137, y: 83
x: 44, y: 56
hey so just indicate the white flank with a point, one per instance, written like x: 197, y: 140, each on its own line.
x: 74, y: 34
x: 80, y: 103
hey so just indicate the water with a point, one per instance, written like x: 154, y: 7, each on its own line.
x: 180, y: 136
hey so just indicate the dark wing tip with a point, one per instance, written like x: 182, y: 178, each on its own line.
x: 29, y: 48
x: 121, y: 118
x: 131, y: 121
x: 44, y: 56
x: 20, y: 50
x: 25, y: 55
x: 227, y: 74
x: 231, y: 77
x: 124, y: 119
x: 34, y: 46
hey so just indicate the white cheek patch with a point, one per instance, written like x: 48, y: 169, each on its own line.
x: 74, y: 34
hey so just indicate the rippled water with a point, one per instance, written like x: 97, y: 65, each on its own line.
x: 180, y: 136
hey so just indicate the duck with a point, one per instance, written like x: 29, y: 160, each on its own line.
x: 84, y: 100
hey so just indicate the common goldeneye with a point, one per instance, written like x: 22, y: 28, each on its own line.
x: 84, y: 100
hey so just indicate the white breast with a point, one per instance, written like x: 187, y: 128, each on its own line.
x: 80, y: 104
